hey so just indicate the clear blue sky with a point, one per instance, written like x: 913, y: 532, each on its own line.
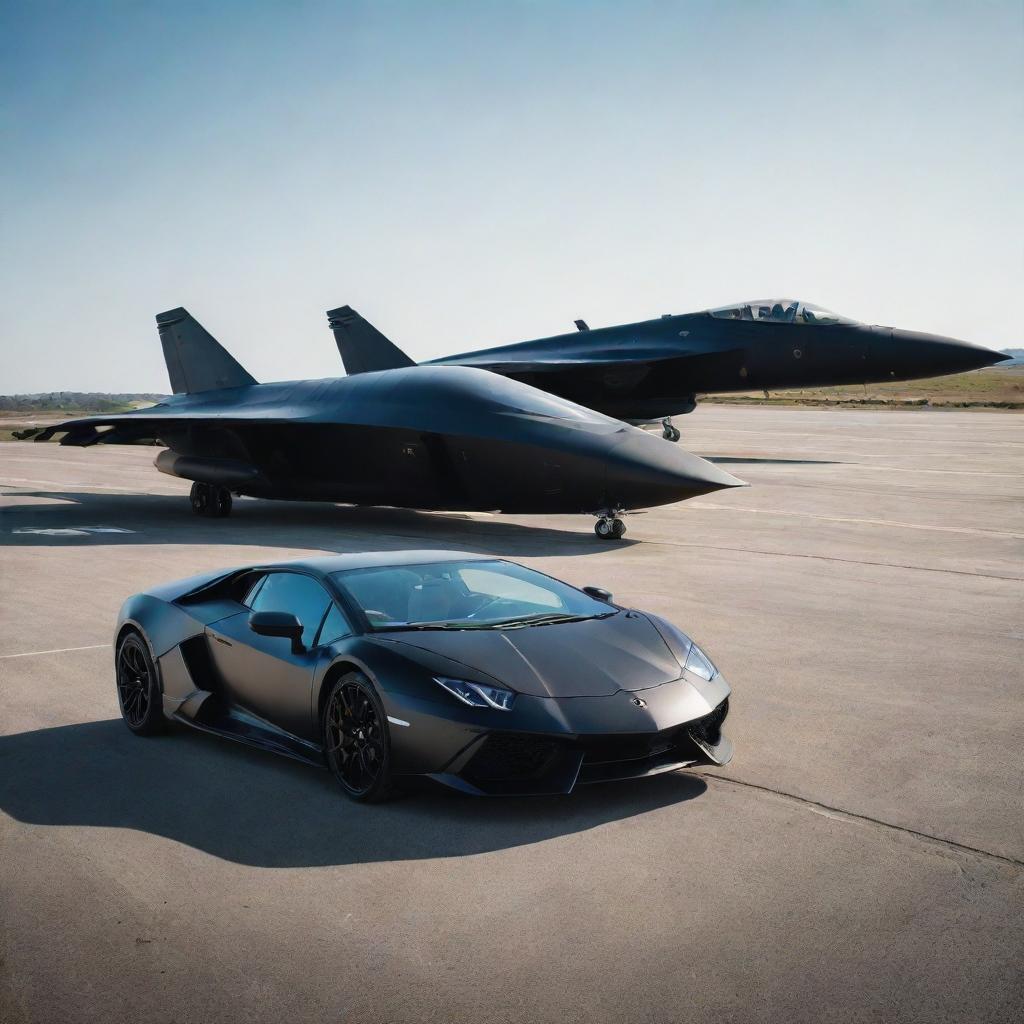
x: 468, y: 174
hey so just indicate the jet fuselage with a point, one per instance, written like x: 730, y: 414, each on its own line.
x: 452, y: 438
x: 657, y: 367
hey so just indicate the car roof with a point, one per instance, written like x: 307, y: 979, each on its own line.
x: 369, y: 559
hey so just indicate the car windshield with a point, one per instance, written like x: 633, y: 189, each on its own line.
x: 779, y: 311
x: 471, y: 594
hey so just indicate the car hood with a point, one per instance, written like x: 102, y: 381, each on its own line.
x: 590, y: 658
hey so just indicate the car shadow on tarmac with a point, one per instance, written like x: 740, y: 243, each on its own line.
x: 263, y: 810
x: 167, y: 519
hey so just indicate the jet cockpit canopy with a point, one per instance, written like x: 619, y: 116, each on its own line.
x: 780, y: 311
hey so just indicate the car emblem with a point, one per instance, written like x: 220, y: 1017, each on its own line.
x: 639, y: 702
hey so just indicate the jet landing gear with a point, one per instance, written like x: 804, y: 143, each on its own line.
x: 208, y: 500
x: 668, y: 431
x: 609, y: 525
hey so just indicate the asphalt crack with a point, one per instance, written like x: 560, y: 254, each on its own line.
x: 840, y: 814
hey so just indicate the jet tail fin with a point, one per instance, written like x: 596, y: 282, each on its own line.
x: 196, y: 361
x: 363, y: 348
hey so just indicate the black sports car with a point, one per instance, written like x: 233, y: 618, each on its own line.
x: 469, y: 670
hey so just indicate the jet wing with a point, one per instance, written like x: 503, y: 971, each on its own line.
x: 543, y: 357
x: 130, y: 428
x: 266, y: 404
x: 504, y: 362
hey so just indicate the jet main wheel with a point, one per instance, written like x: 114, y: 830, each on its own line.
x: 200, y: 498
x: 222, y: 502
x: 357, y: 743
x: 618, y: 529
x: 208, y: 500
x: 138, y: 692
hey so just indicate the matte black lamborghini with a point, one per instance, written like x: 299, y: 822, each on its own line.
x: 469, y: 670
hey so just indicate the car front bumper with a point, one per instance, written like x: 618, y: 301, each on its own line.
x: 548, y: 745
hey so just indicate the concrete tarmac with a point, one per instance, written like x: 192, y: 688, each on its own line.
x: 861, y: 858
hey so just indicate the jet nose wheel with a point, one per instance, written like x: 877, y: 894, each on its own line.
x: 207, y: 500
x: 610, y: 528
x: 668, y: 431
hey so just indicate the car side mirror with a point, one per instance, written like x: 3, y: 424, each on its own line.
x: 282, y: 624
x: 599, y: 593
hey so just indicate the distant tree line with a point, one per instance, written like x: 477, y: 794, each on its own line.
x: 84, y: 401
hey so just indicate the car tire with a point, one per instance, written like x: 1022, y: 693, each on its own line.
x: 138, y: 689
x: 356, y: 739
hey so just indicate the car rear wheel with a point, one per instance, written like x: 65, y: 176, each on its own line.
x: 138, y: 692
x: 357, y: 743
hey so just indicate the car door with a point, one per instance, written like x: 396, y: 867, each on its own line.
x: 263, y: 674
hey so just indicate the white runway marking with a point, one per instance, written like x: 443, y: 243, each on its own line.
x: 60, y: 462
x: 855, y: 437
x: 64, y: 485
x: 56, y: 650
x: 847, y: 519
x: 70, y: 531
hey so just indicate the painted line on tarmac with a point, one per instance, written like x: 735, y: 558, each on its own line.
x: 838, y: 814
x: 77, y: 463
x: 64, y: 485
x: 973, y: 531
x: 836, y: 460
x: 70, y: 531
x: 835, y: 558
x: 840, y: 437
x: 56, y: 650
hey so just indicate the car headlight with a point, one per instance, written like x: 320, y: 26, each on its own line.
x: 699, y: 663
x: 477, y: 695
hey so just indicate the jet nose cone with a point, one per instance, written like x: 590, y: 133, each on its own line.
x: 909, y: 354
x: 644, y: 470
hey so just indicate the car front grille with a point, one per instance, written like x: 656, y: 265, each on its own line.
x: 522, y: 762
x: 509, y: 756
x: 709, y: 728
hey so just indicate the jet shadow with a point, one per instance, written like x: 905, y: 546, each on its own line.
x: 166, y: 519
x: 263, y: 810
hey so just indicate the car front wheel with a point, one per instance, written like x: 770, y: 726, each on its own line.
x: 138, y: 692
x: 357, y: 743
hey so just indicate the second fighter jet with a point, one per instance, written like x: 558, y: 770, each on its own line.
x: 653, y: 370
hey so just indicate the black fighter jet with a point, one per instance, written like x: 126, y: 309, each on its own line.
x: 655, y: 369
x: 424, y: 437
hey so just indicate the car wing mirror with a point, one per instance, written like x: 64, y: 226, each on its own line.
x: 599, y: 593
x: 283, y: 624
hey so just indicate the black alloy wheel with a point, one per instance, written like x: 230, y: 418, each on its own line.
x: 357, y: 743
x: 138, y: 693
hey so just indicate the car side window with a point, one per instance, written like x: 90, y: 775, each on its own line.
x: 335, y: 626
x: 254, y: 588
x: 292, y: 592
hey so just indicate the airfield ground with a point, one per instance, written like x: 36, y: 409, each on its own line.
x: 861, y: 859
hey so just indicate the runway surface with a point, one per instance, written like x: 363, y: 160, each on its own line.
x: 861, y: 859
